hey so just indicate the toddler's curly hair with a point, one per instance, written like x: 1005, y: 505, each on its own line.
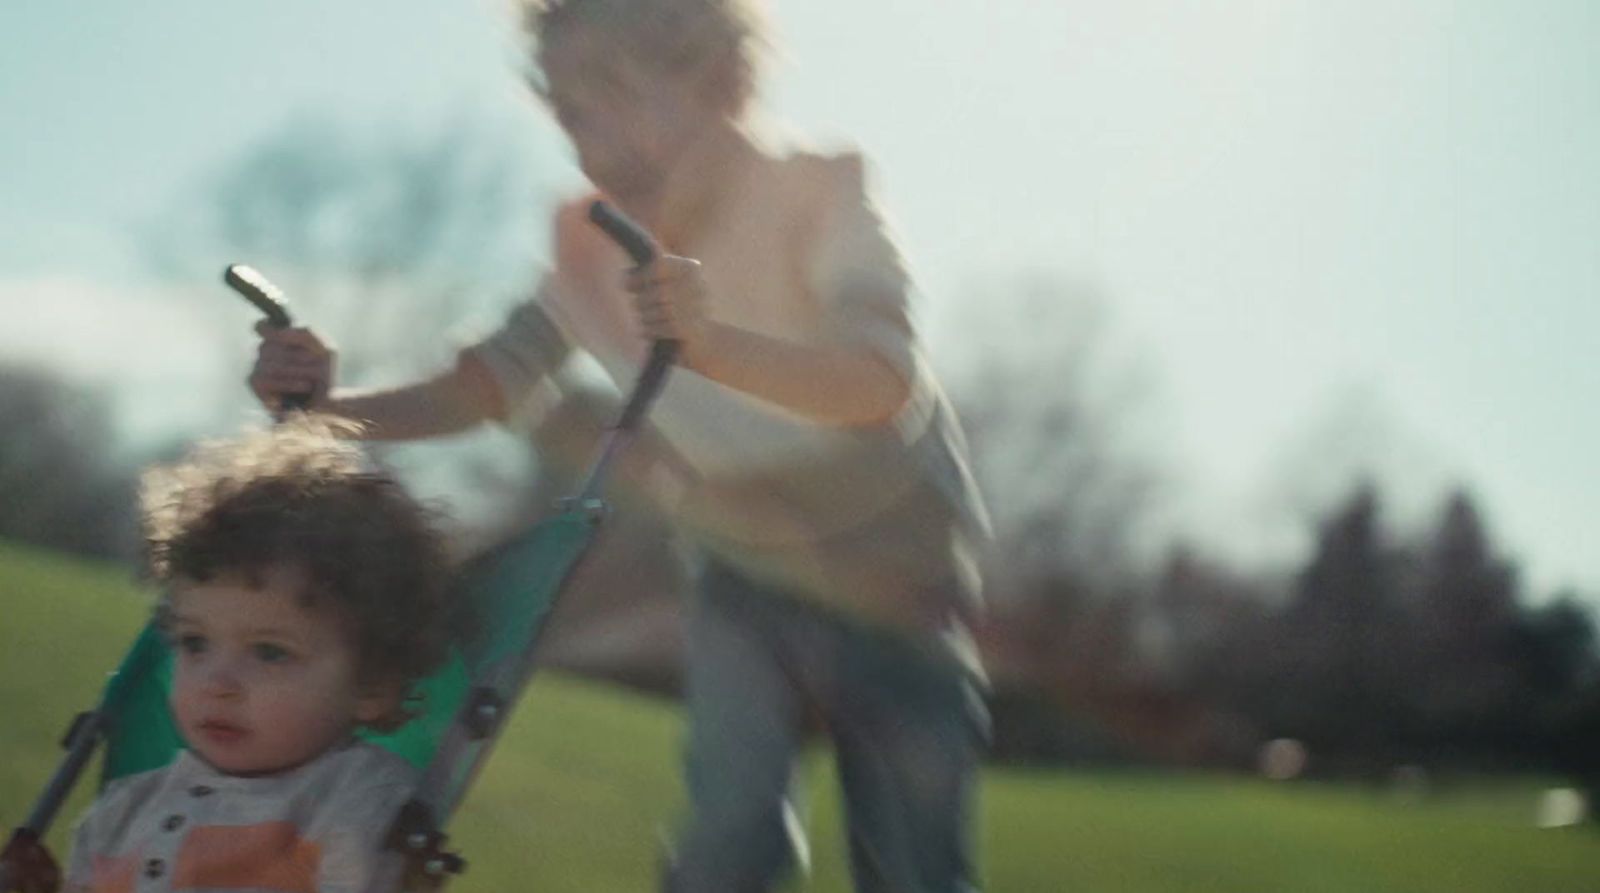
x: 303, y: 495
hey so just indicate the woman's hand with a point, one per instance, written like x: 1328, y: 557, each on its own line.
x: 669, y: 298
x: 291, y: 362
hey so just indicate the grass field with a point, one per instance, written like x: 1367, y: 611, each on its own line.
x: 584, y: 788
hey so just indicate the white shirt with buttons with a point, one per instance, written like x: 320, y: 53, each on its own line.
x: 318, y: 828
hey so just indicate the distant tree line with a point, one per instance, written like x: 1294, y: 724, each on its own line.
x: 1389, y: 652
x: 62, y: 483
x: 1382, y: 653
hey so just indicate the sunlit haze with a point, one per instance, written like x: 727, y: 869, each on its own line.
x: 1304, y: 217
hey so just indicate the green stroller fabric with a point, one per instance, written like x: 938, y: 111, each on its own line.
x: 508, y: 594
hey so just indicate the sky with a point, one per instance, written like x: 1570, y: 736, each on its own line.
x: 1334, y: 235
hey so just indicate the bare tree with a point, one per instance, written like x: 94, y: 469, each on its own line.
x: 384, y: 239
x: 1056, y: 418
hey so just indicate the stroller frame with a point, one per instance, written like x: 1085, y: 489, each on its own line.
x: 496, y: 664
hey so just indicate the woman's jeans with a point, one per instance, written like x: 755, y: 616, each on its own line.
x: 907, y: 726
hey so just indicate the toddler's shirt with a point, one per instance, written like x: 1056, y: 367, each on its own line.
x: 318, y: 828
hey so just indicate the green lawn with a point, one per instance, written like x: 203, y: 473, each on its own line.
x: 584, y: 788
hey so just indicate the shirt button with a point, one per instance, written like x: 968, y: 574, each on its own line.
x: 172, y: 823
x: 154, y: 868
x: 200, y: 790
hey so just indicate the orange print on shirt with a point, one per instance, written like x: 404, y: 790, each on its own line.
x: 269, y: 856
x: 113, y: 874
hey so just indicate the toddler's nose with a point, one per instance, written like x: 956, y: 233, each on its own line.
x: 222, y: 677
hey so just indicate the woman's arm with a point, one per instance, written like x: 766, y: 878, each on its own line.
x: 299, y: 361
x: 831, y: 383
x: 450, y: 403
x: 835, y: 385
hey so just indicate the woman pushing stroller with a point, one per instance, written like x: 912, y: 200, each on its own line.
x: 809, y: 457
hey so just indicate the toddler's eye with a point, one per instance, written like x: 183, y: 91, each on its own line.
x: 192, y: 643
x: 267, y: 652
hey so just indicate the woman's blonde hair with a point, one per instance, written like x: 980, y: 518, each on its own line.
x: 727, y: 41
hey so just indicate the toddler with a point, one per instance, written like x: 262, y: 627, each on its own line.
x: 304, y: 597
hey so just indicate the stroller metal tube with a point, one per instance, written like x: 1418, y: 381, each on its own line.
x: 81, y: 741
x: 25, y: 863
x: 654, y: 375
x: 465, y: 749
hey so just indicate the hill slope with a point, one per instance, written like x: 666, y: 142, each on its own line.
x: 584, y: 787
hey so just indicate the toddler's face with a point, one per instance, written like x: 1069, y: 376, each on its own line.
x: 261, y: 682
x: 629, y: 125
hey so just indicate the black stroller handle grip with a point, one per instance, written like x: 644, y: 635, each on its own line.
x: 641, y: 249
x: 268, y: 298
x: 630, y: 236
x: 256, y: 289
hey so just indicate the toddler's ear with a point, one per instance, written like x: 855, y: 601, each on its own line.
x: 378, y: 703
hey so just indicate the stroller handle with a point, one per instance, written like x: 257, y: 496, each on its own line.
x: 267, y: 298
x: 641, y: 249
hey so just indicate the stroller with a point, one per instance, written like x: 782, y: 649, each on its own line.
x: 510, y: 593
